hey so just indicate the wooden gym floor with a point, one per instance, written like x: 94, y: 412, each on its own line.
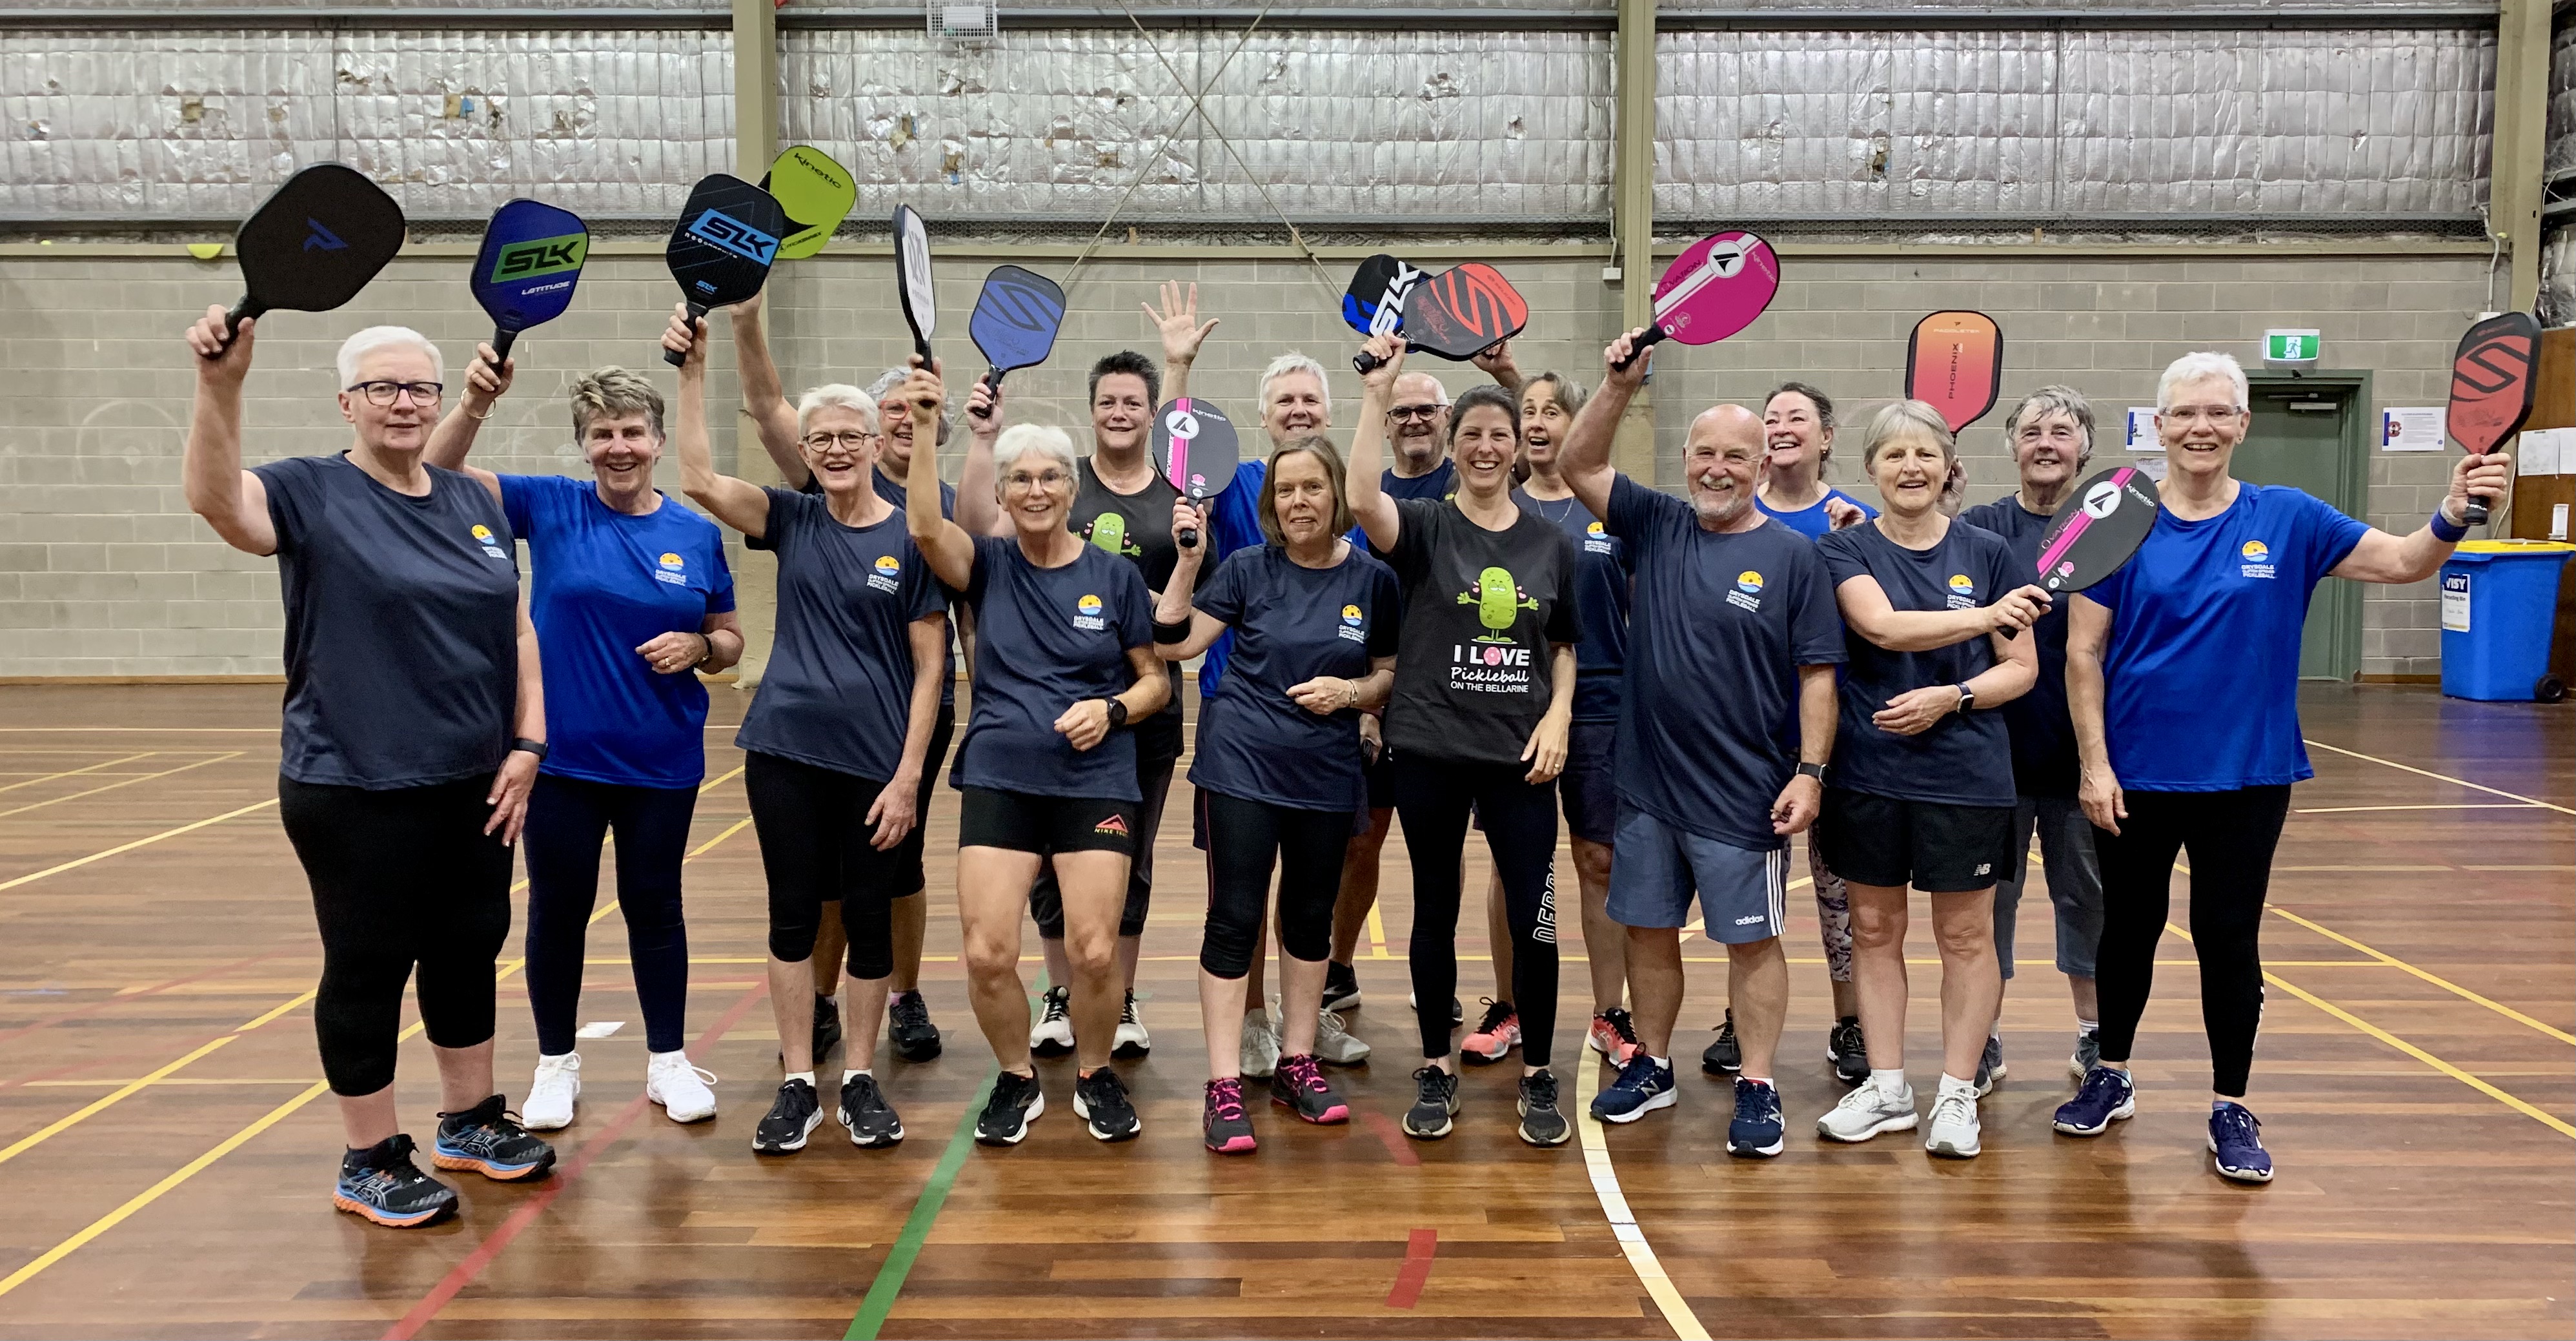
x: 166, y: 1144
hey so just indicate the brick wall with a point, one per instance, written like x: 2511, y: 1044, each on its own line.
x: 104, y: 572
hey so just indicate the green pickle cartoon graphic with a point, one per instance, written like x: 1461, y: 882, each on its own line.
x: 1497, y: 600
x: 1109, y: 531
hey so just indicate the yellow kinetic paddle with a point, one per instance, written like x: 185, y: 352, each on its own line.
x: 817, y: 194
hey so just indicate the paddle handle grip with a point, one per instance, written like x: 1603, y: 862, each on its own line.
x: 245, y: 310
x: 697, y: 313
x: 1367, y: 362
x: 1654, y: 335
x: 2477, y: 511
x: 501, y: 342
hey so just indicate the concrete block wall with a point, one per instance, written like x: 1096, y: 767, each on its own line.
x: 104, y: 572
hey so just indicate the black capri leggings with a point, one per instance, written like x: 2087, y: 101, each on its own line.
x: 1243, y: 839
x: 400, y: 878
x: 1520, y: 829
x: 815, y: 849
x: 2231, y: 837
x: 567, y: 820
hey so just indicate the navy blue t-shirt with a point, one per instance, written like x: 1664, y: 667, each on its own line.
x: 2202, y: 671
x: 2043, y: 732
x: 1710, y: 732
x: 1810, y: 521
x: 1046, y: 638
x: 402, y: 626
x: 893, y: 492
x: 1234, y: 523
x: 1434, y: 485
x: 838, y: 690
x: 1601, y: 590
x: 1292, y: 623
x: 606, y: 583
x: 1965, y: 759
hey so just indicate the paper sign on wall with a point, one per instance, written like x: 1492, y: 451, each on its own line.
x: 2142, y: 430
x: 2415, y: 429
x: 2542, y: 451
x: 2153, y: 467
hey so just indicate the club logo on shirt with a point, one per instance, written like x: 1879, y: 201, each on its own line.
x: 672, y: 570
x: 1597, y: 541
x: 1498, y: 601
x: 888, y: 574
x: 2258, y: 560
x: 491, y: 549
x: 1748, y: 591
x: 1963, y: 592
x: 1086, y: 615
x: 1109, y: 531
x: 1350, y: 629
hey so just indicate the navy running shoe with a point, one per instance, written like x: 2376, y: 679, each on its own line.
x: 2235, y: 1147
x: 1757, y: 1131
x: 2107, y: 1096
x: 1643, y: 1086
x: 382, y: 1184
x: 488, y: 1139
x: 908, y: 1024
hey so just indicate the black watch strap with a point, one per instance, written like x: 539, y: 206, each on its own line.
x: 1117, y: 713
x: 1808, y: 770
x: 535, y: 747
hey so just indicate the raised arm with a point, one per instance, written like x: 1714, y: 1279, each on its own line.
x: 1376, y: 512
x: 1866, y: 609
x: 1172, y: 604
x: 2381, y: 557
x: 1177, y: 322
x: 1584, y: 461
x: 740, y: 504
x: 764, y: 397
x: 948, y: 547
x: 231, y: 499
x: 487, y: 379
x: 979, y: 508
x: 2088, y: 631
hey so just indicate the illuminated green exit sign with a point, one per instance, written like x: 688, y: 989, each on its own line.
x: 2290, y: 348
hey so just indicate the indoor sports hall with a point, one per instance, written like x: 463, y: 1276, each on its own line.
x: 478, y: 625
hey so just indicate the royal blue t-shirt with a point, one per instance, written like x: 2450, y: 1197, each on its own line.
x: 1810, y: 521
x: 1710, y: 732
x: 838, y: 690
x: 1601, y: 588
x: 1046, y: 638
x: 1293, y: 623
x: 402, y: 626
x: 2042, y: 731
x: 606, y: 583
x: 2202, y: 671
x: 1234, y: 523
x: 1964, y: 759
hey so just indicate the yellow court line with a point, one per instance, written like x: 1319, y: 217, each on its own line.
x: 2437, y: 980
x: 1376, y: 934
x: 139, y: 842
x: 145, y: 777
x: 1623, y: 1222
x: 2469, y: 805
x: 2444, y: 777
x: 76, y: 772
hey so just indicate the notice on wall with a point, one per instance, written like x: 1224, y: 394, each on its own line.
x: 2142, y: 430
x: 2416, y: 429
x: 2153, y: 467
x: 2544, y: 451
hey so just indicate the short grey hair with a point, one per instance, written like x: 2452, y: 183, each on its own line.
x: 2201, y: 367
x: 1294, y: 362
x: 1438, y: 391
x: 884, y: 386
x: 1021, y: 439
x: 2053, y: 399
x: 1906, y: 418
x: 373, y: 338
x: 835, y: 394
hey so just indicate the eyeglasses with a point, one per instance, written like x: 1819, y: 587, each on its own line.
x: 824, y: 442
x: 383, y: 393
x: 1426, y: 413
x: 1053, y: 479
x: 2192, y: 414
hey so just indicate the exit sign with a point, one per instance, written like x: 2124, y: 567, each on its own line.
x: 2297, y: 349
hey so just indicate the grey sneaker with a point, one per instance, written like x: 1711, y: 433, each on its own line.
x: 1542, y: 1122
x: 1990, y: 1067
x: 1868, y: 1111
x: 2088, y: 1054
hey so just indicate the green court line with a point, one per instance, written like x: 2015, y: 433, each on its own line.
x: 916, y: 1227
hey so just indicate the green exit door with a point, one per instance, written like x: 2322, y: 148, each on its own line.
x: 2309, y: 433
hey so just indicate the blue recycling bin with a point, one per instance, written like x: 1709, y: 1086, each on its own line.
x: 2499, y: 603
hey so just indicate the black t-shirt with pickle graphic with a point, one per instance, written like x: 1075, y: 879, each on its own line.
x: 1481, y: 609
x: 1137, y: 527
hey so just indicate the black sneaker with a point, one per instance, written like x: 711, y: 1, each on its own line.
x: 1015, y: 1103
x: 789, y: 1121
x: 1341, y: 986
x: 1435, y: 1102
x: 1724, y: 1057
x: 1848, y: 1051
x: 1052, y: 1036
x: 1100, y: 1099
x: 1228, y: 1131
x: 872, y: 1121
x: 382, y: 1184
x: 827, y: 1026
x: 916, y: 1039
x: 488, y: 1139
x: 1541, y: 1123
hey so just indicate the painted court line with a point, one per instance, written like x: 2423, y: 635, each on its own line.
x: 155, y: 989
x: 2464, y: 805
x: 120, y: 848
x: 2442, y: 777
x: 1623, y: 1222
x: 128, y: 782
x: 1416, y: 1271
x: 76, y: 772
x: 897, y: 1266
x: 2392, y: 961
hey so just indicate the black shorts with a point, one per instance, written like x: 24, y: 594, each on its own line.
x: 1588, y: 789
x: 1938, y: 849
x: 1022, y: 822
x: 907, y: 854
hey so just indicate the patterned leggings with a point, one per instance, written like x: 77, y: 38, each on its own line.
x: 1833, y: 911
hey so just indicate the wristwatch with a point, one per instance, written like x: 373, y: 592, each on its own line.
x: 1808, y: 770
x: 1967, y: 697
x: 535, y: 747
x: 1117, y: 713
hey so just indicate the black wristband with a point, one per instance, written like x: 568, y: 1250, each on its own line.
x: 535, y: 747
x: 1172, y: 633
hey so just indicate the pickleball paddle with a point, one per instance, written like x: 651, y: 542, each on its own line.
x: 1716, y: 287
x: 1015, y: 321
x: 1195, y: 445
x: 723, y: 246
x: 912, y: 279
x: 524, y: 274
x: 2491, y: 387
x: 1374, y: 305
x: 314, y: 243
x: 1459, y: 313
x: 1955, y: 362
x: 817, y: 194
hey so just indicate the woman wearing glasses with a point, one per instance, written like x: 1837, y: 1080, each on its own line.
x: 414, y: 723
x: 837, y: 736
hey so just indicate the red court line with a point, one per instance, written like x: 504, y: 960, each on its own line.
x: 1416, y: 1271
x: 490, y: 1249
x: 1396, y: 1144
x: 96, y: 1006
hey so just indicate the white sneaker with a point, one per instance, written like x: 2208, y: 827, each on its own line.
x: 681, y: 1088
x: 1052, y: 1035
x: 1954, y: 1123
x: 1131, y: 1041
x: 1260, y: 1044
x: 1336, y: 1044
x: 551, y: 1095
x: 1868, y: 1111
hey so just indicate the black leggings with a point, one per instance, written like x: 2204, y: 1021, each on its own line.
x: 567, y: 820
x: 2230, y: 836
x: 1520, y: 829
x: 1046, y: 901
x: 400, y: 879
x: 1243, y: 839
x: 815, y: 848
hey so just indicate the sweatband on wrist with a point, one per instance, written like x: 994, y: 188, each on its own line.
x: 2444, y: 531
x: 1172, y: 633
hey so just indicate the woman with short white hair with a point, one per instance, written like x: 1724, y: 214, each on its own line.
x: 415, y: 718
x: 2182, y: 674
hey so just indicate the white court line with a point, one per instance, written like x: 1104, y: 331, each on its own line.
x: 2466, y: 805
x: 1614, y: 1207
x: 2443, y: 777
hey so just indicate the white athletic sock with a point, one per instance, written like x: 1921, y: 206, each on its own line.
x: 806, y: 1076
x: 1890, y: 1081
x: 1663, y: 1063
x: 1995, y: 1031
x: 848, y: 1076
x: 2088, y: 1026
x: 1951, y: 1084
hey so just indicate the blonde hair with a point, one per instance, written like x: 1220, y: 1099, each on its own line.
x: 1906, y: 418
x: 613, y: 391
